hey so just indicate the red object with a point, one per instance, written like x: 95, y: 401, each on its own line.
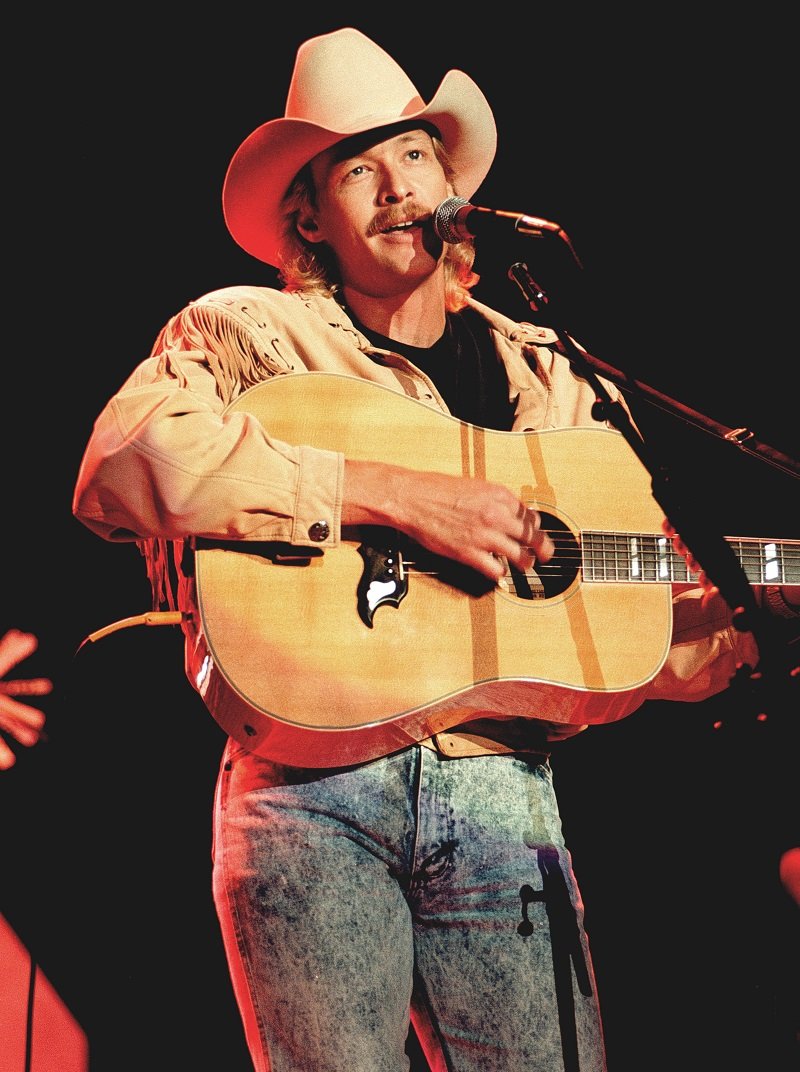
x: 37, y: 1031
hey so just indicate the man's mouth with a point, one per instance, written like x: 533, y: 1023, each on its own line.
x: 384, y: 227
x: 397, y: 227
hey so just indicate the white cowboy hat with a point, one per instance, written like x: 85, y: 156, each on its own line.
x: 345, y: 84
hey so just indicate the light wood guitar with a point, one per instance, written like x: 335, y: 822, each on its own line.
x: 323, y: 658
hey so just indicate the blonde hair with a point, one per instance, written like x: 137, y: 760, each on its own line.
x: 306, y: 266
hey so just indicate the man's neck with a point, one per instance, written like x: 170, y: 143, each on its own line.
x: 416, y: 318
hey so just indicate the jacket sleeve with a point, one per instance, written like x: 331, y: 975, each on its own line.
x: 165, y: 459
x: 705, y: 652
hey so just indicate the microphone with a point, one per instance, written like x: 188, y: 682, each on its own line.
x: 456, y: 220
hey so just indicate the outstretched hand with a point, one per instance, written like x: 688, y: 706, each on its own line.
x: 19, y: 720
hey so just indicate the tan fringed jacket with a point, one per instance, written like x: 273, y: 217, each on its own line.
x: 168, y: 461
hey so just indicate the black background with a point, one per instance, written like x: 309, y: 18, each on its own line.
x: 666, y: 149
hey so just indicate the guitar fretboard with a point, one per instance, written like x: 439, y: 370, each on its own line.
x: 615, y: 556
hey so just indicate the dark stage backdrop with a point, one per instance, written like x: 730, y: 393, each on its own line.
x: 666, y: 150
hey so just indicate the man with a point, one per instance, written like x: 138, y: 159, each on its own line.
x: 372, y: 864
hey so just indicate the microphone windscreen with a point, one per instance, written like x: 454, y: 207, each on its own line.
x: 445, y: 219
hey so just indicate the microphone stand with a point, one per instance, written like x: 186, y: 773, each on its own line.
x: 711, y: 550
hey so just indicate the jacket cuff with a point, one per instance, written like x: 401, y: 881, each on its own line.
x: 318, y: 507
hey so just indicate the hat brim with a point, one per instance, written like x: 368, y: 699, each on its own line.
x: 267, y: 161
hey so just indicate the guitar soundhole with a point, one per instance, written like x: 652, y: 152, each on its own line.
x: 549, y: 579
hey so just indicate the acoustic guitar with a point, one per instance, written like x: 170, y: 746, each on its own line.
x: 324, y: 658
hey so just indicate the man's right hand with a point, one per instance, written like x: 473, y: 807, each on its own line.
x: 472, y: 521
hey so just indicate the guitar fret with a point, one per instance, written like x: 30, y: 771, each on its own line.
x: 769, y: 561
x: 616, y: 556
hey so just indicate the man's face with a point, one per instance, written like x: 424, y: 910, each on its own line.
x: 374, y: 207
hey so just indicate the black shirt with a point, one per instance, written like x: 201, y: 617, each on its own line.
x: 464, y: 366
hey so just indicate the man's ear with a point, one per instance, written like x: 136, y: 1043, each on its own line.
x: 308, y: 229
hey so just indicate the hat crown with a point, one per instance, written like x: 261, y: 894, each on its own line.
x: 374, y: 86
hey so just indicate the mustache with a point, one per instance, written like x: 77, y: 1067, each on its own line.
x: 396, y: 215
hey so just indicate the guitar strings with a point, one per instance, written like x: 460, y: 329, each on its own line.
x: 650, y: 557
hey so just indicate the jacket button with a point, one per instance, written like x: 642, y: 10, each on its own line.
x: 319, y: 531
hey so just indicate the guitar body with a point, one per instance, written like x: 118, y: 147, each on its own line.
x: 289, y: 667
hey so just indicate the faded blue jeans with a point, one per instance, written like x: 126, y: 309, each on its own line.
x: 415, y: 885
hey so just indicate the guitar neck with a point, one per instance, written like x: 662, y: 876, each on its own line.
x: 641, y: 557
